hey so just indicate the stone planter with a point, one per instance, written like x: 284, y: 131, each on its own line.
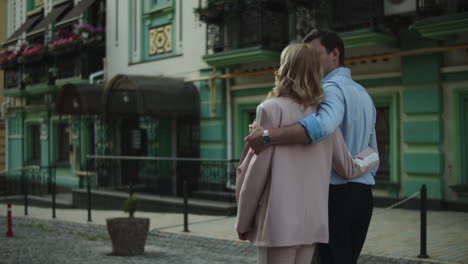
x: 128, y: 235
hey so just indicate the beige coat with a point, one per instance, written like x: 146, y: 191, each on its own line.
x: 283, y: 191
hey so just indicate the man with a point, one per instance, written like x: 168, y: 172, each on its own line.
x: 347, y: 106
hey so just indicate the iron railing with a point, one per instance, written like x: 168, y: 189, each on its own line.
x: 207, y: 178
x: 30, y: 180
x: 36, y: 71
x: 253, y: 24
x: 12, y: 77
x: 80, y: 62
x: 354, y: 15
x: 431, y: 8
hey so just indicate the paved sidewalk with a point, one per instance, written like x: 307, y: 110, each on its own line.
x: 393, y: 236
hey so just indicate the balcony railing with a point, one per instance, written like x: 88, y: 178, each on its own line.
x: 355, y: 15
x: 430, y: 8
x: 12, y: 77
x: 36, y: 71
x: 79, y: 62
x: 255, y: 24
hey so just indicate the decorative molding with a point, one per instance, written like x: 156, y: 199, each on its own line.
x: 241, y: 56
x: 459, y: 68
x: 251, y: 86
x: 442, y: 27
x: 366, y: 38
x: 376, y: 76
x: 13, y: 92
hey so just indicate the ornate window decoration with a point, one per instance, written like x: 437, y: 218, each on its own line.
x: 154, y: 30
x: 160, y: 40
x: 38, y: 3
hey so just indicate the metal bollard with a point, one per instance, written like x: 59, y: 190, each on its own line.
x: 423, y: 208
x: 54, y: 184
x: 25, y: 190
x: 89, y: 198
x: 9, y: 232
x: 185, y: 190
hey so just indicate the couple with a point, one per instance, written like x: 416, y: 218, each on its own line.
x: 287, y: 201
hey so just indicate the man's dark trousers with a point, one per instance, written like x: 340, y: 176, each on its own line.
x: 349, y: 210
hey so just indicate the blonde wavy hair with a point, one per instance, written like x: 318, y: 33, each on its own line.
x: 299, y: 76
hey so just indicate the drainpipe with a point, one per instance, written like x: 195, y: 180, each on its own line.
x: 4, y: 104
x: 229, y: 184
x: 93, y: 75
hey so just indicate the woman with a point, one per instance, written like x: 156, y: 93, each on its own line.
x: 283, y: 191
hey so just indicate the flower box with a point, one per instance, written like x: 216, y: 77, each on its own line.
x: 33, y: 54
x: 66, y: 45
x: 8, y: 60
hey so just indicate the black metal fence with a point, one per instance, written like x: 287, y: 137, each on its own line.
x: 30, y: 180
x: 206, y: 178
x: 430, y: 8
x: 12, y: 77
x: 252, y: 24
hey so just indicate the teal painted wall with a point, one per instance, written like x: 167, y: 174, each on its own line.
x: 15, y: 152
x: 423, y: 131
x: 212, y: 121
x: 422, y: 104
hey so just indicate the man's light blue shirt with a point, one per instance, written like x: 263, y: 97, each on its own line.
x: 347, y: 105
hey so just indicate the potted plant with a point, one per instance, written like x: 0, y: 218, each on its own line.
x: 8, y: 59
x: 66, y: 42
x: 128, y: 234
x: 33, y: 53
x: 215, y: 10
x: 93, y: 37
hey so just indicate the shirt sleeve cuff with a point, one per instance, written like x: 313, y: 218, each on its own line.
x: 312, y: 127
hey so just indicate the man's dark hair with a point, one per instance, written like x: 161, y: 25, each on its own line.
x: 329, y: 39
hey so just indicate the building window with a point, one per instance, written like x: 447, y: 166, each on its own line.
x: 35, y: 143
x: 244, y: 115
x: 154, y: 22
x: 382, y: 128
x: 387, y: 130
x: 33, y: 4
x: 63, y: 142
x: 460, y: 111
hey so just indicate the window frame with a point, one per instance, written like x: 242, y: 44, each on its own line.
x: 460, y: 142
x: 150, y: 17
x: 30, y: 159
x: 392, y: 101
x: 55, y: 140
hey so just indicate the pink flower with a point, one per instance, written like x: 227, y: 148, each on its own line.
x: 34, y: 50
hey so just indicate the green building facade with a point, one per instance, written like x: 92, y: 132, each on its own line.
x: 412, y: 61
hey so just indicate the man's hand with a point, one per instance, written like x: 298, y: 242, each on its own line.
x: 242, y: 236
x: 255, y: 138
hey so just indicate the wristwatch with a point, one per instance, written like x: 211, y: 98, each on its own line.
x: 266, y: 137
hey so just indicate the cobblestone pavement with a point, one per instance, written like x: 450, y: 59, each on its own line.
x: 54, y: 241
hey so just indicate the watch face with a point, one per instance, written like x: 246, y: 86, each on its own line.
x: 266, y: 139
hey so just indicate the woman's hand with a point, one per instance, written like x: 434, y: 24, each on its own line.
x: 242, y: 236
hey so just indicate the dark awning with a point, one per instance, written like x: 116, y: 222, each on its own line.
x: 146, y: 95
x: 76, y: 12
x: 56, y: 12
x: 80, y: 99
x: 30, y: 22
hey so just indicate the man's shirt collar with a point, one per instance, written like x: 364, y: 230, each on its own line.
x: 338, y: 71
